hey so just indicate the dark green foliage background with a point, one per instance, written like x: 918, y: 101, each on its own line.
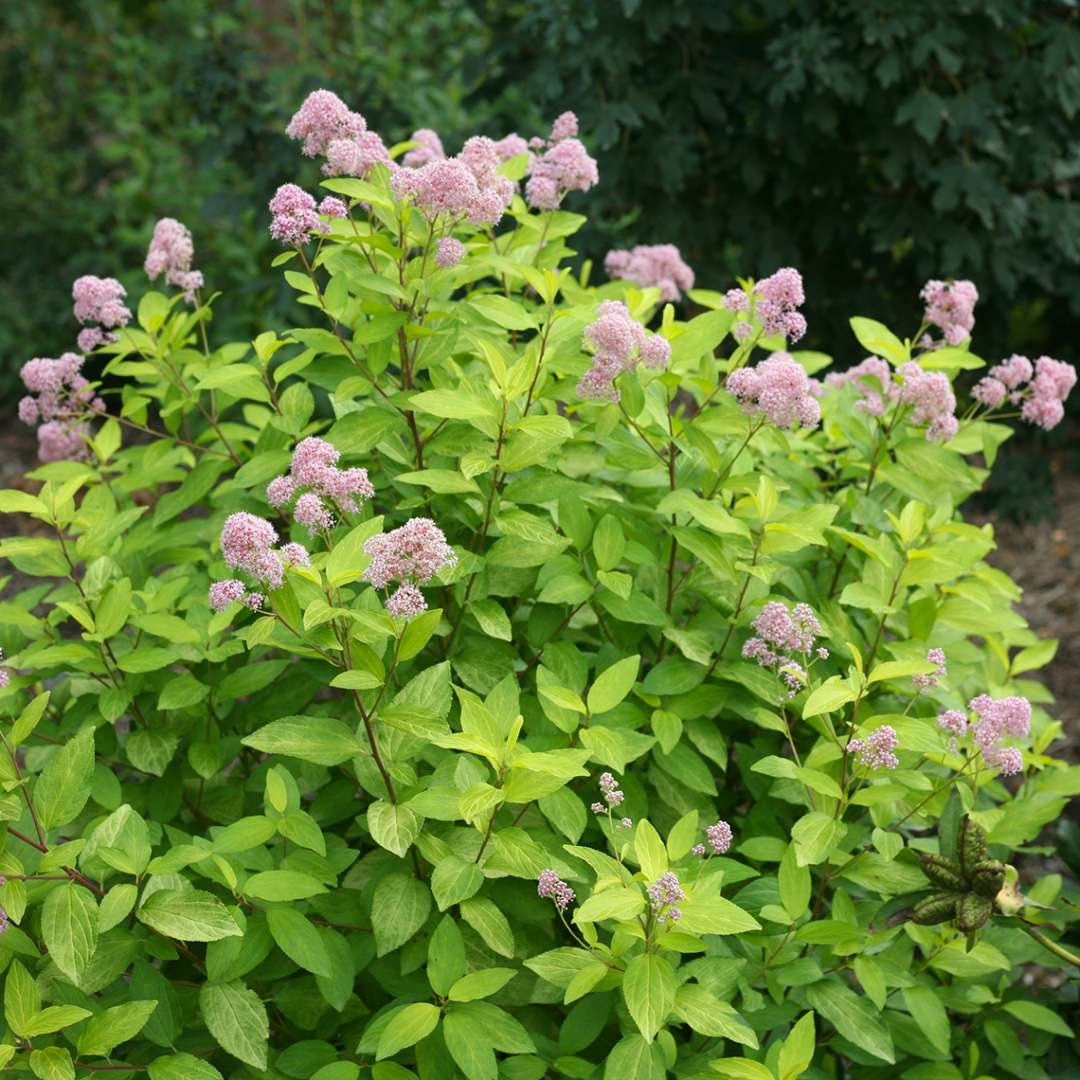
x: 872, y: 143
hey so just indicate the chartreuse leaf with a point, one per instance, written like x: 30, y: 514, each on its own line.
x: 52, y: 1063
x: 236, y: 1018
x: 797, y: 1051
x: 114, y: 1026
x: 407, y: 1026
x: 446, y: 956
x: 707, y: 1015
x: 651, y: 853
x: 613, y: 684
x: 480, y: 984
x: 741, y: 1069
x: 181, y: 1067
x: 854, y: 1017
x: 69, y: 927
x: 299, y: 940
x: 188, y: 915
x: 318, y: 739
x: 648, y: 989
x: 63, y: 787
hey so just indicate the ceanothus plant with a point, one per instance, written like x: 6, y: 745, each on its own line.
x: 511, y: 676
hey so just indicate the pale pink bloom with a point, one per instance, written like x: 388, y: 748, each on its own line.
x: 876, y: 750
x: 224, y: 593
x: 565, y: 126
x: 655, y: 351
x: 295, y: 218
x: 100, y: 300
x: 430, y: 149
x: 312, y: 514
x: 92, y: 336
x: 5, y: 675
x: 1013, y: 372
x: 954, y: 722
x: 58, y: 441
x: 510, y: 146
x: 322, y: 118
x: 776, y: 299
x: 620, y: 342
x: 875, y: 383
x: 332, y: 207
x: 950, y: 306
x: 779, y: 388
x: 549, y: 886
x: 247, y: 543
x: 415, y: 551
x: 990, y: 392
x: 280, y: 491
x: 652, y: 265
x: 449, y: 252
x: 406, y: 601
x: 933, y: 403
x: 719, y: 837
x: 170, y: 253
x: 295, y: 554
x: 609, y: 786
x: 928, y: 682
x: 357, y: 156
x: 565, y: 166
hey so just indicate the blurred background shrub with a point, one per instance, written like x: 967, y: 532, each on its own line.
x: 872, y: 143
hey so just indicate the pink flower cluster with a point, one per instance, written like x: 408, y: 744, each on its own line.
x: 775, y: 301
x: 613, y: 796
x: 664, y: 894
x: 449, y: 252
x: 876, y: 750
x: 430, y: 149
x: 467, y: 187
x: 412, y: 555
x: 230, y: 591
x: 620, y: 342
x: 876, y: 394
x: 719, y: 837
x: 564, y: 166
x: 930, y: 395
x: 780, y: 634
x: 64, y: 401
x: 99, y: 300
x: 170, y: 253
x: 923, y: 683
x: 658, y: 266
x: 778, y: 388
x: 950, y: 306
x: 549, y: 886
x: 5, y: 675
x: 321, y: 119
x: 1041, y: 401
x: 995, y: 721
x: 314, y: 467
x: 295, y: 219
x: 248, y: 544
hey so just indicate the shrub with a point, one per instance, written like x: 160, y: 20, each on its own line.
x: 505, y: 675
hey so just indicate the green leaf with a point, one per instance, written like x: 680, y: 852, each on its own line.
x: 1033, y: 1015
x: 708, y: 1015
x: 418, y: 633
x: 69, y: 927
x: 114, y: 1026
x: 469, y: 1044
x: 318, y: 739
x: 618, y: 903
x: 831, y: 695
x: 649, y: 992
x: 797, y: 1052
x: 188, y: 915
x: 299, y: 940
x: 650, y: 850
x: 852, y: 1016
x: 454, y: 880
x: 635, y: 1058
x: 877, y: 338
x: 181, y: 1067
x: 408, y: 1026
x: 52, y: 1063
x: 608, y: 543
x: 64, y: 784
x: 480, y: 984
x: 929, y: 1013
x: 446, y: 956
x: 714, y: 915
x: 400, y: 907
x: 237, y: 1020
x: 55, y: 1018
x: 795, y: 884
x: 815, y: 835
x: 741, y: 1069
x: 282, y: 885
x: 613, y: 684
x: 503, y: 312
x: 21, y: 999
x: 393, y: 827
x: 490, y: 923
